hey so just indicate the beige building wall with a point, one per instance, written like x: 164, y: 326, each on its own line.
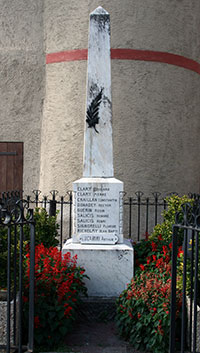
x: 156, y: 106
x: 22, y: 74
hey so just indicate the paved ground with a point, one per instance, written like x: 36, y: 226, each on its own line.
x: 97, y: 337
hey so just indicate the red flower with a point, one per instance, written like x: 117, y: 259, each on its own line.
x: 154, y: 246
x: 25, y: 299
x: 142, y: 267
x: 148, y: 260
x: 36, y: 321
x: 159, y: 262
x: 154, y: 257
x: 180, y: 251
x: 130, y: 314
x: 165, y: 250
x: 138, y: 315
x: 67, y: 311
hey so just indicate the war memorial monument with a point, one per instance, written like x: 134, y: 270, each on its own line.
x: 98, y: 197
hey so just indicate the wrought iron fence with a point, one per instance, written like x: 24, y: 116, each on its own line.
x: 141, y: 213
x: 13, y: 218
x: 187, y: 221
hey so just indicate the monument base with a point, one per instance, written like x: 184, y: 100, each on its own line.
x: 109, y: 267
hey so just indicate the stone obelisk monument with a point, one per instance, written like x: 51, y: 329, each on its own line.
x: 98, y: 196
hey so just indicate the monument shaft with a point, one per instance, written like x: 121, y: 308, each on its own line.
x: 98, y: 150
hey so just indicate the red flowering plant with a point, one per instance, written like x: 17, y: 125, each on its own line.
x: 59, y: 283
x: 153, y: 255
x: 143, y: 309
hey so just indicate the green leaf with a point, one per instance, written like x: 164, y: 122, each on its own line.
x: 63, y: 330
x: 51, y: 314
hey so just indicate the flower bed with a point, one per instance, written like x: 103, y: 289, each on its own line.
x: 58, y: 287
x: 143, y: 309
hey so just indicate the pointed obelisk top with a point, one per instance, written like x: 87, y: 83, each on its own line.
x: 99, y: 11
x: 98, y: 149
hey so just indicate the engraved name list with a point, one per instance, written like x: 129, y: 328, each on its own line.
x: 96, y: 210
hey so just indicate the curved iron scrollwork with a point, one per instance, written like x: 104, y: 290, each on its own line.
x: 19, y: 213
x: 189, y: 215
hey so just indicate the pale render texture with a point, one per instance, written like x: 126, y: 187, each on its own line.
x: 155, y: 105
x: 22, y: 74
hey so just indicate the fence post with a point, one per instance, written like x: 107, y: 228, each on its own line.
x: 52, y: 209
x: 156, y: 195
x: 37, y: 193
x: 139, y: 194
x: 20, y: 283
x: 173, y: 292
x: 130, y: 215
x: 8, y: 288
x: 15, y: 282
x: 147, y: 215
x: 28, y: 198
x: 45, y: 202
x: 61, y: 221
x: 70, y: 214
x: 195, y: 289
x: 31, y: 287
x: 183, y: 323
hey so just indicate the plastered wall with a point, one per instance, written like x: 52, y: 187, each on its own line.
x: 22, y: 78
x: 156, y: 106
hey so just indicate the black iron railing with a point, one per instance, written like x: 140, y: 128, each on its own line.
x: 12, y: 220
x: 141, y: 213
x: 189, y: 222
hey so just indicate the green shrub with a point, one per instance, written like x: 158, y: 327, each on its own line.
x: 188, y: 276
x: 3, y: 257
x: 165, y: 229
x: 46, y: 229
x: 143, y: 312
x: 175, y: 204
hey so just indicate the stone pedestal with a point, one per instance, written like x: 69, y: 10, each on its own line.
x: 109, y: 267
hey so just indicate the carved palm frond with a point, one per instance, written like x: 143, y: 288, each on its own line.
x: 93, y: 111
